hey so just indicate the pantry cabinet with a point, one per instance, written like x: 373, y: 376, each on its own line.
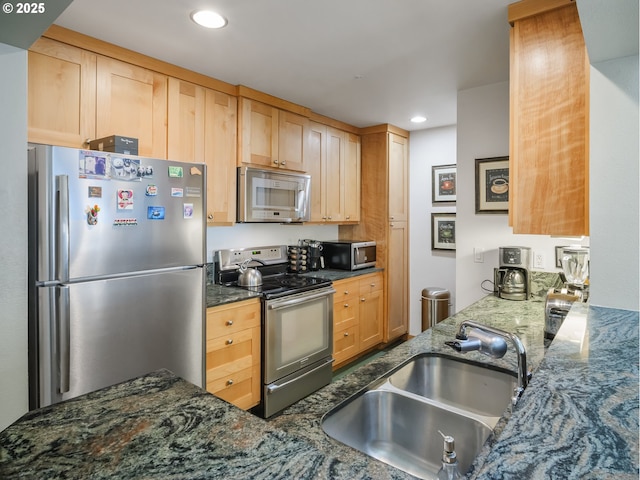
x: 549, y: 120
x: 271, y: 137
x: 202, y: 128
x: 61, y: 94
x: 357, y: 316
x: 333, y: 161
x: 384, y: 218
x: 233, y: 352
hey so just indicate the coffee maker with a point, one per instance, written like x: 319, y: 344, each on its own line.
x: 512, y: 279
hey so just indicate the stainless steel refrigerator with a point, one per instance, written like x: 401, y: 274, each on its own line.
x: 116, y: 270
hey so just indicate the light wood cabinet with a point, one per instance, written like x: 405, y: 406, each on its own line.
x: 270, y: 137
x: 233, y: 352
x: 333, y: 161
x: 132, y: 101
x: 202, y: 127
x: 357, y: 316
x: 549, y: 120
x: 61, y: 94
x: 384, y: 218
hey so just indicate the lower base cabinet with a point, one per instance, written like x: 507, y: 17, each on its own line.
x: 233, y: 353
x: 358, y: 310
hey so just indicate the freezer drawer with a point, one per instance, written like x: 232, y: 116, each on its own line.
x: 103, y: 332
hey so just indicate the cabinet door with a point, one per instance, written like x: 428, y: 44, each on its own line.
x: 185, y: 127
x: 293, y: 139
x: 61, y: 94
x: 371, y: 311
x: 398, y: 157
x: 258, y: 141
x: 315, y: 164
x: 352, y: 178
x: 220, y: 129
x: 132, y: 101
x: 549, y: 149
x: 334, y: 180
x: 397, y: 281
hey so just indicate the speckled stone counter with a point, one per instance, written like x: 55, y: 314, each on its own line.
x: 577, y: 419
x: 220, y: 295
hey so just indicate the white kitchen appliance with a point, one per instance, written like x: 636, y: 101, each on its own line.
x: 116, y: 270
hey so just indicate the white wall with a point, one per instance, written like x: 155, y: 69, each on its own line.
x: 13, y: 245
x: 615, y: 258
x: 428, y: 268
x: 483, y: 132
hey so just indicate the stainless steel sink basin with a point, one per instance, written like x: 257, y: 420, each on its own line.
x: 397, y: 417
x: 403, y: 431
x: 457, y: 383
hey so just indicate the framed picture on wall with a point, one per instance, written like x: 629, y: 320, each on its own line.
x: 443, y: 231
x: 492, y: 185
x: 444, y: 183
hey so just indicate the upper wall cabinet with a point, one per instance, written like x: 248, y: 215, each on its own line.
x: 132, y: 101
x: 549, y: 120
x: 202, y: 128
x: 333, y: 161
x: 75, y: 96
x: 270, y: 137
x: 61, y: 94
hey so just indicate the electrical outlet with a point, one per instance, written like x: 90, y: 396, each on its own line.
x: 538, y: 260
x: 478, y: 254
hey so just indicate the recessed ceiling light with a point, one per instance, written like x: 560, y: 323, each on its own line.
x: 419, y: 119
x: 208, y: 19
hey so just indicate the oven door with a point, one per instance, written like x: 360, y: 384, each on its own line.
x: 298, y: 332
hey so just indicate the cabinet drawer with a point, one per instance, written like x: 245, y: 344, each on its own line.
x: 345, y: 313
x: 242, y: 388
x: 370, y: 284
x: 228, y: 319
x: 346, y: 289
x: 346, y: 344
x: 229, y: 354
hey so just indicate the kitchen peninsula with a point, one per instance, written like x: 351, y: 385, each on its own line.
x: 577, y: 419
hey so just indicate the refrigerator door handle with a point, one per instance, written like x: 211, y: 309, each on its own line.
x: 63, y: 340
x: 62, y: 228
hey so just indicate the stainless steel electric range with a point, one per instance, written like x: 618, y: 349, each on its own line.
x: 297, y: 324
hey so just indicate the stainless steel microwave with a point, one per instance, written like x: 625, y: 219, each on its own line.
x: 266, y: 196
x: 349, y: 254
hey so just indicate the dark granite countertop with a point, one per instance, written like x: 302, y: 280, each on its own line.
x: 220, y: 295
x: 577, y: 419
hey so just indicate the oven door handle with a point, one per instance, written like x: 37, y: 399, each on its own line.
x: 274, y: 305
x: 275, y: 388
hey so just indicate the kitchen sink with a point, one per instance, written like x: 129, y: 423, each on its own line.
x: 396, y: 418
x: 457, y: 383
x: 403, y: 431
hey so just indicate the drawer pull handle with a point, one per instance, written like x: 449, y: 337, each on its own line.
x: 363, y: 299
x: 346, y: 292
x: 373, y: 285
x: 230, y: 341
x: 346, y: 305
x: 229, y: 382
x: 229, y: 323
x: 346, y: 334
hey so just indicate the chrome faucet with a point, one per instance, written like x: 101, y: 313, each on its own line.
x: 491, y: 342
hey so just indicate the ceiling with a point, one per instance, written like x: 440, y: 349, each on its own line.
x: 364, y: 62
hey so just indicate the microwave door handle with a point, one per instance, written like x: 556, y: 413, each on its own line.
x: 62, y: 228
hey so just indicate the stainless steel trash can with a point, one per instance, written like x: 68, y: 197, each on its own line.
x: 435, y: 306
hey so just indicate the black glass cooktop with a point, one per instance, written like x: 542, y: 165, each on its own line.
x: 288, y: 284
